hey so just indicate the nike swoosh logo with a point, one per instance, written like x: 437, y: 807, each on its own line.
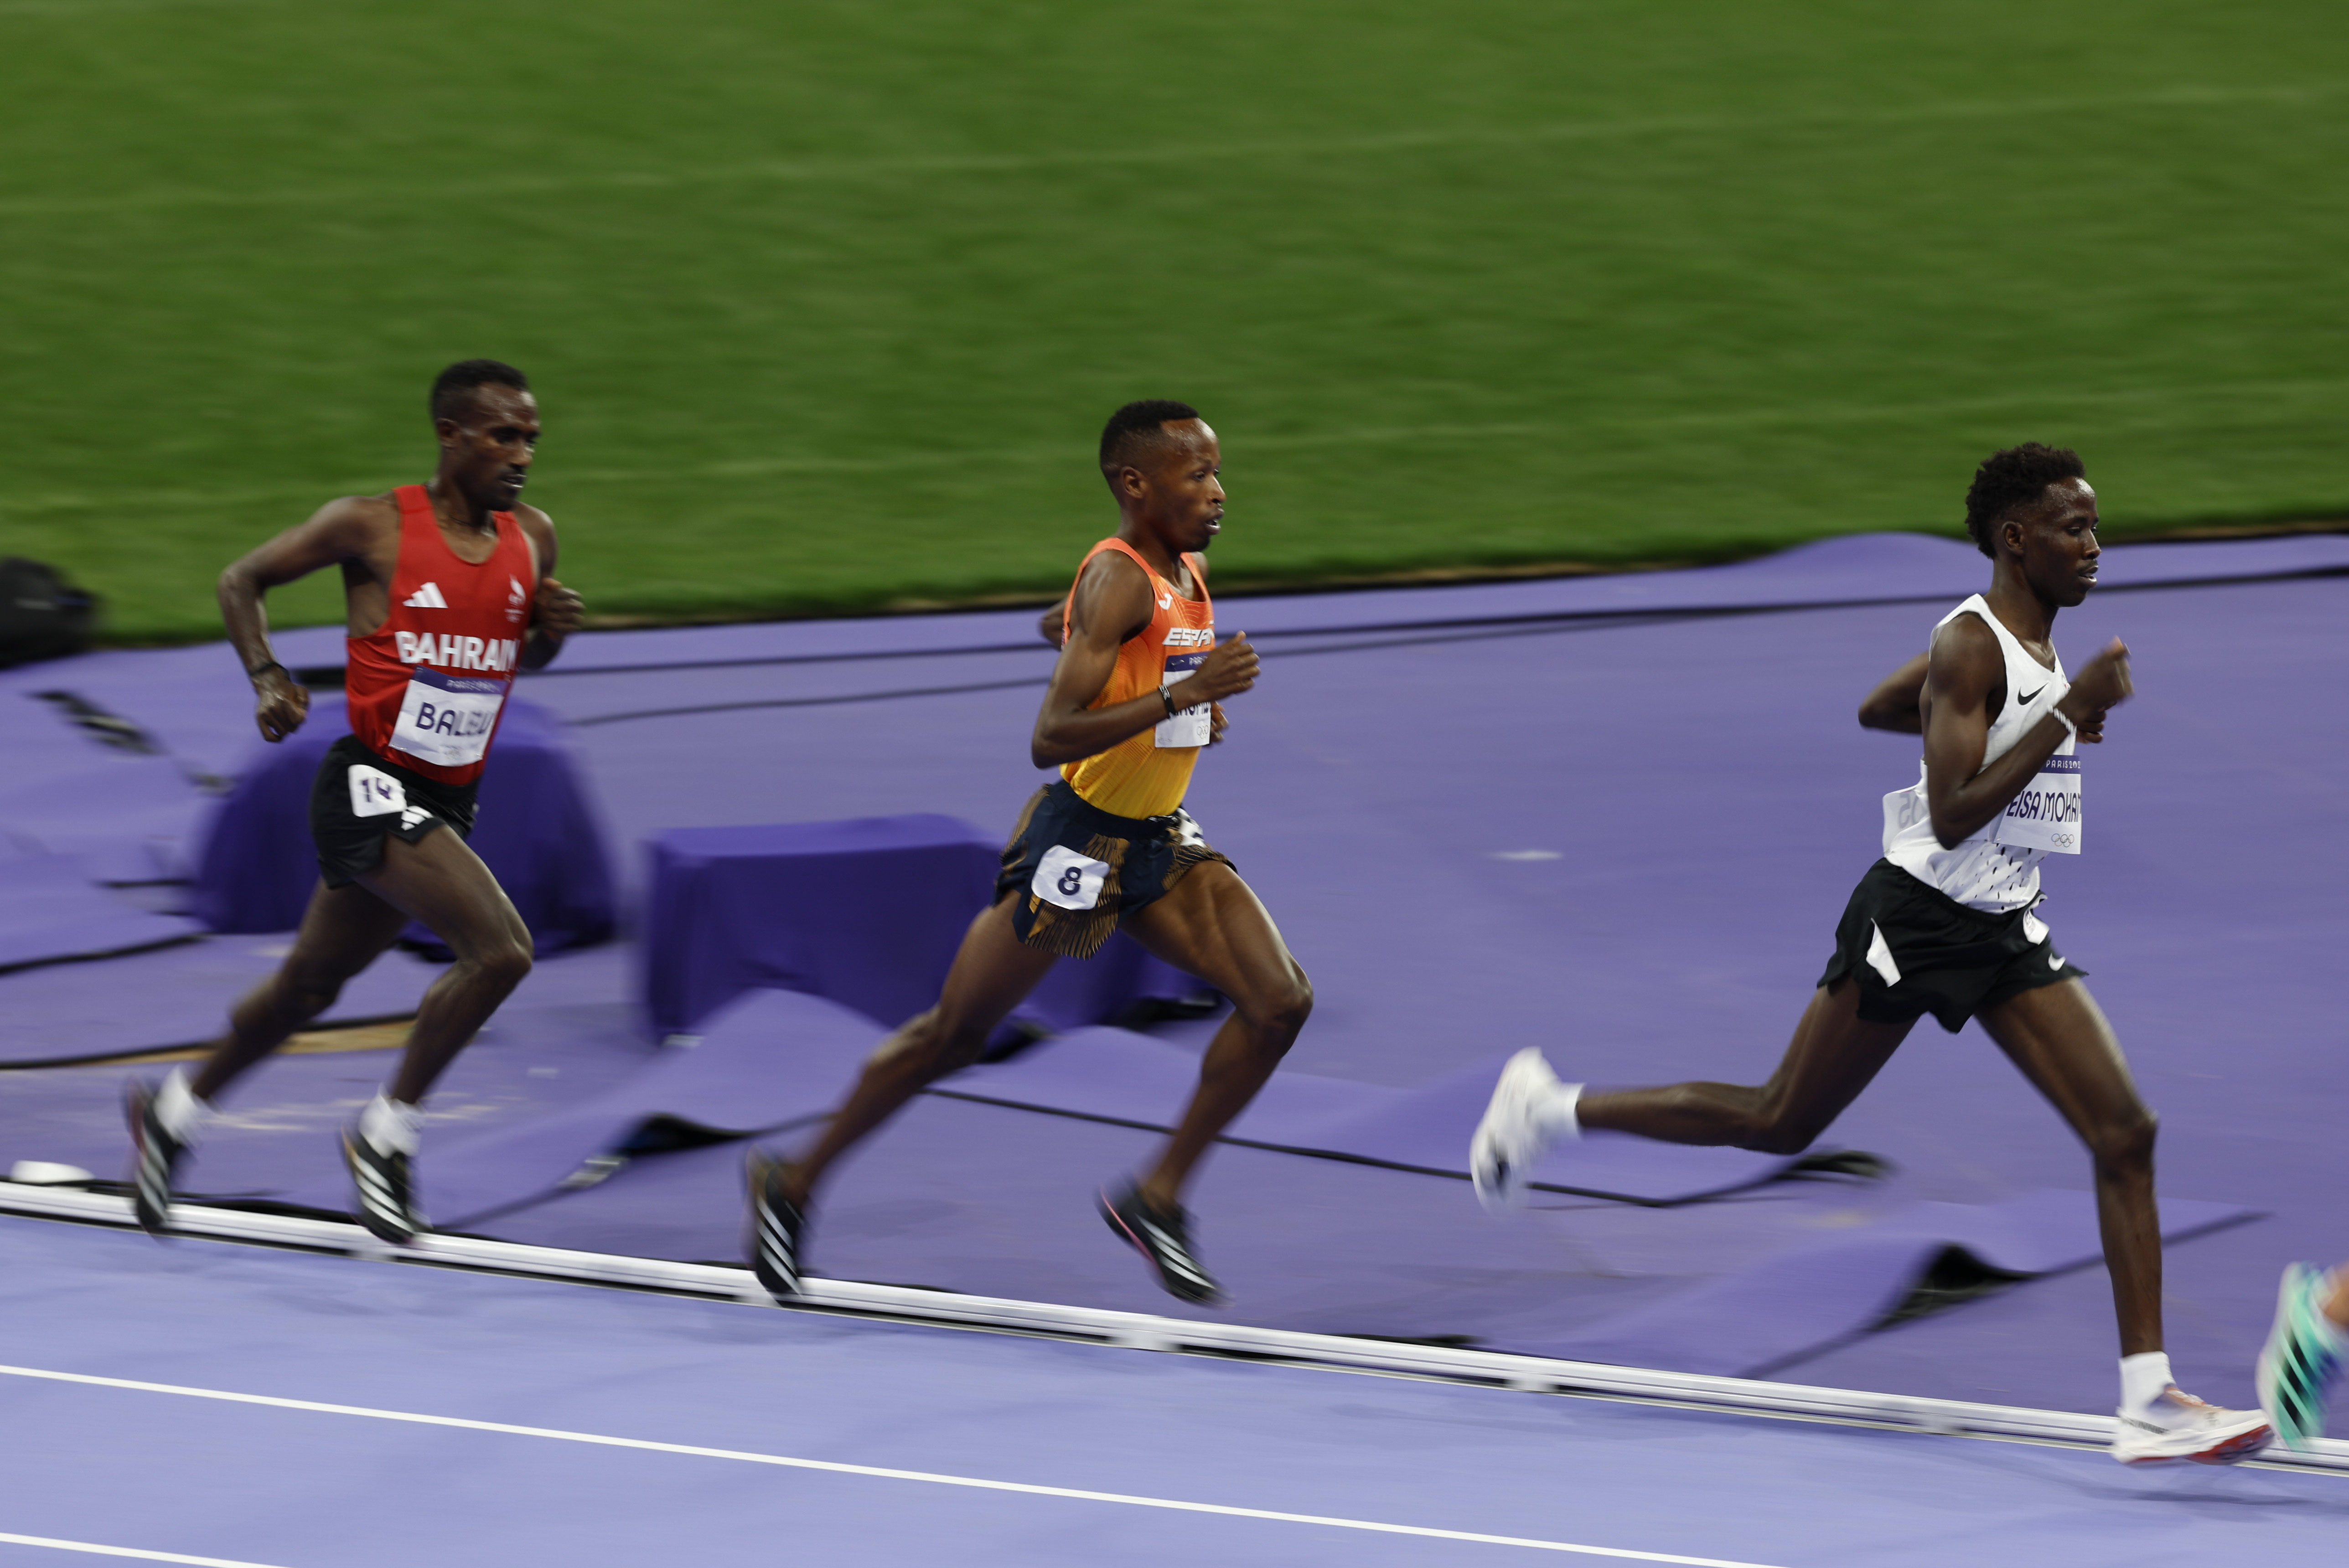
x: 2026, y: 699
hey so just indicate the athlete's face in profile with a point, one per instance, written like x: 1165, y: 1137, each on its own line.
x: 1186, y: 489
x: 489, y: 450
x: 2058, y: 541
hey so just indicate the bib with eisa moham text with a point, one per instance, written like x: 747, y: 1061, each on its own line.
x: 2046, y: 815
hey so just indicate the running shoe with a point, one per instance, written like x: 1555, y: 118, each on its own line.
x: 776, y: 1226
x: 387, y: 1190
x: 2301, y: 1358
x: 1510, y: 1139
x: 2178, y: 1426
x: 1164, y: 1240
x: 155, y: 1157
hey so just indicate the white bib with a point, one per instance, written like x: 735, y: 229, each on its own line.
x: 374, y: 792
x: 1068, y: 879
x: 2046, y: 815
x: 446, y: 720
x: 1190, y: 726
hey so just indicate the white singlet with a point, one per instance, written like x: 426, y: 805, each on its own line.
x: 1996, y: 868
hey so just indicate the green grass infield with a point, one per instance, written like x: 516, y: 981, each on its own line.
x: 826, y: 302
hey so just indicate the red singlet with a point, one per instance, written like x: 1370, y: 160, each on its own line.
x: 426, y: 687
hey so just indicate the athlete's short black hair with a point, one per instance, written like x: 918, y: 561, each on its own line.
x: 1135, y: 425
x: 454, y: 389
x: 2015, y: 477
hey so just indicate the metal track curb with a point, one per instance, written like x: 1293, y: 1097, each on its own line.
x: 1140, y: 1331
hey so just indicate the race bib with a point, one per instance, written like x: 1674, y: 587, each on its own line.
x: 374, y: 792
x: 2046, y: 815
x: 1068, y: 879
x: 1191, y: 726
x: 445, y: 719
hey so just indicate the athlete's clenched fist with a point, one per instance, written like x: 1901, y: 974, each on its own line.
x: 1229, y: 670
x: 558, y: 611
x: 2104, y: 685
x: 280, y: 703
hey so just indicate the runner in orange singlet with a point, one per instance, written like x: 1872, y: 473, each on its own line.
x: 1134, y: 698
x: 451, y: 591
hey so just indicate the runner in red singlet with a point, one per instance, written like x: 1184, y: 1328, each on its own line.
x: 1135, y: 699
x: 452, y: 591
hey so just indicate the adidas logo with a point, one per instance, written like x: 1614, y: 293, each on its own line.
x: 426, y: 598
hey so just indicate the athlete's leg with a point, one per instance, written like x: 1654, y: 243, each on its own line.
x: 1213, y: 926
x: 2058, y: 1036
x: 1835, y: 1054
x: 343, y: 930
x: 993, y: 972
x: 439, y: 881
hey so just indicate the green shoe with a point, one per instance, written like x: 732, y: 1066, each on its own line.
x: 2301, y: 1358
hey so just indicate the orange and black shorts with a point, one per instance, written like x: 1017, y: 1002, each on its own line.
x: 1074, y: 870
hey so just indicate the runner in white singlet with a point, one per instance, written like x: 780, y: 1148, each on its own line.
x: 1943, y: 925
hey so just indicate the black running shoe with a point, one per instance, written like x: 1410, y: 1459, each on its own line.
x: 154, y: 1159
x: 776, y: 1225
x: 387, y: 1190
x: 1165, y: 1241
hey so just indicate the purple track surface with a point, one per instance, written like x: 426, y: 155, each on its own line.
x: 157, y: 1471
x: 1627, y: 841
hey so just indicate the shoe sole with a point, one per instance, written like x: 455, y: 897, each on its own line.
x: 756, y: 1174
x: 153, y: 1219
x: 1506, y: 1192
x: 1497, y: 1192
x: 2227, y: 1452
x: 382, y: 1230
x: 2265, y: 1379
x: 1175, y: 1288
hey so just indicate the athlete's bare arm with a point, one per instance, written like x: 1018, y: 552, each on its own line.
x: 557, y: 611
x: 1052, y: 626
x: 1897, y: 704
x: 1111, y: 607
x: 1964, y: 682
x: 1893, y: 705
x: 358, y: 534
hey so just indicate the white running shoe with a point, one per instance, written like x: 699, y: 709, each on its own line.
x: 2178, y: 1426
x: 1510, y: 1138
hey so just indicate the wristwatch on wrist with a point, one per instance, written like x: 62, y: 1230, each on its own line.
x: 1167, y: 697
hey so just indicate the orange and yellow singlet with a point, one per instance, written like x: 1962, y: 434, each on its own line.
x: 1145, y: 775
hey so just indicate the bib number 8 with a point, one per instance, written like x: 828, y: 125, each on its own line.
x: 1068, y: 879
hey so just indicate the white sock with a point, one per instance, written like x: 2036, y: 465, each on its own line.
x: 1554, y: 1113
x: 392, y: 1126
x: 177, y: 1108
x: 2143, y: 1378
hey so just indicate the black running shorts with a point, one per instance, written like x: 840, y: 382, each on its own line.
x: 1914, y: 950
x: 1076, y: 869
x: 358, y: 797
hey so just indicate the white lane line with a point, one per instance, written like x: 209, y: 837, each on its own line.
x: 94, y: 1550
x: 878, y: 1472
